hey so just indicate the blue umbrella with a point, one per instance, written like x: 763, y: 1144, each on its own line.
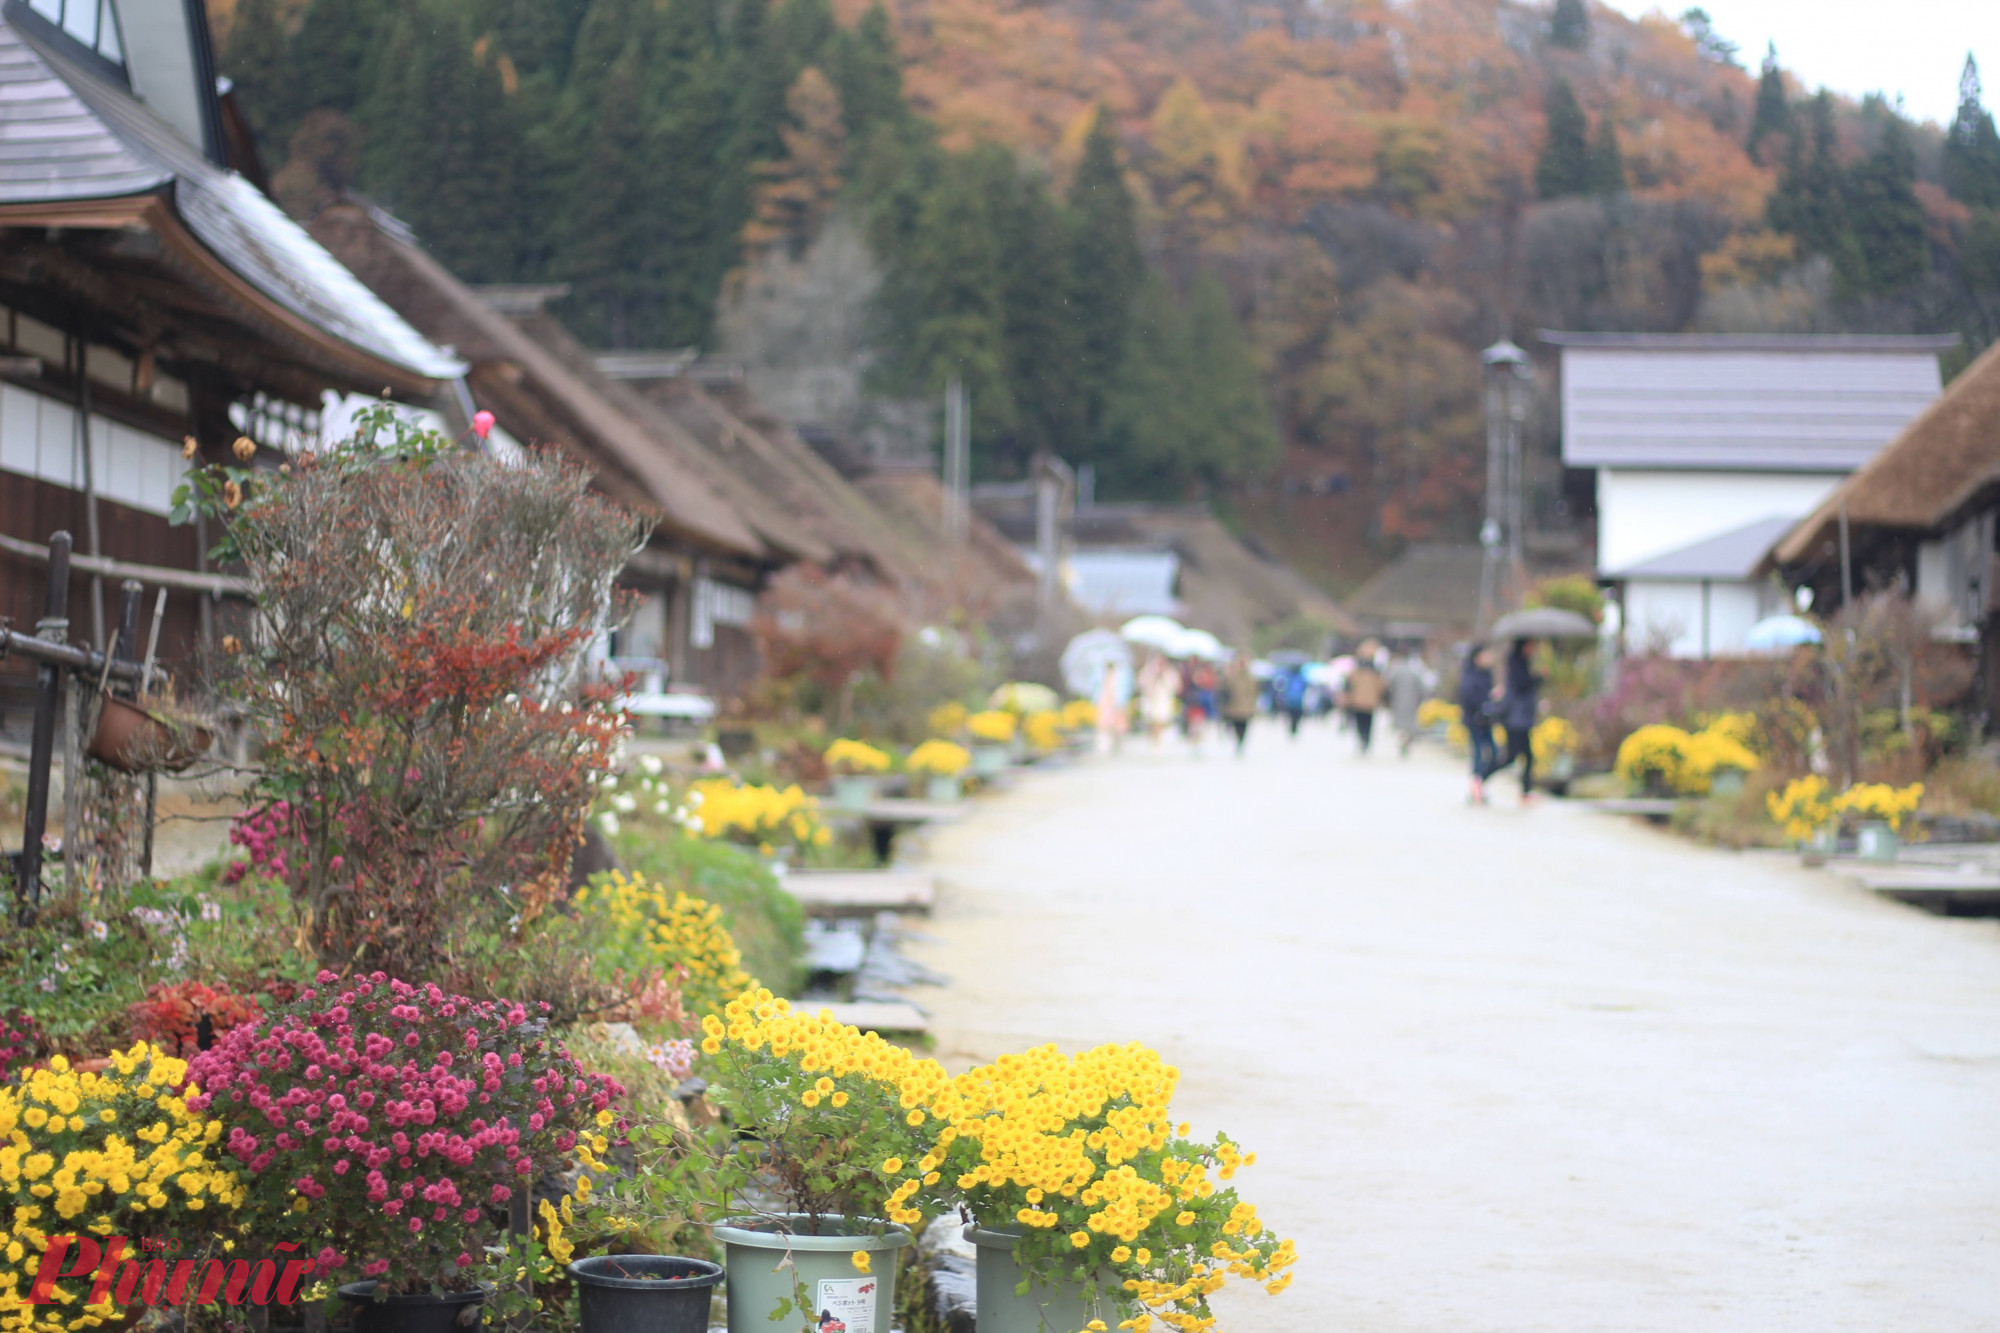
x: 1778, y: 634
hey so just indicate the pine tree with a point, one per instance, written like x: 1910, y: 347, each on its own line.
x: 1972, y: 147
x: 1040, y: 331
x: 1885, y: 218
x: 1563, y: 168
x: 1151, y: 438
x: 1607, y: 161
x: 1773, y: 113
x: 256, y: 63
x: 1569, y: 26
x: 1106, y: 266
x: 1810, y: 199
x: 441, y: 143
x: 868, y: 70
x: 603, y: 222
x: 953, y: 305
x: 1237, y: 435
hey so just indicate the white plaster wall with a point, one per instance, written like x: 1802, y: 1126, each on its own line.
x: 1644, y: 514
x: 1673, y: 611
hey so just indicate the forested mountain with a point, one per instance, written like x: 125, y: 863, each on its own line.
x: 1218, y: 247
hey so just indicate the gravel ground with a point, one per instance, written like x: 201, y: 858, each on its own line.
x: 1504, y: 1068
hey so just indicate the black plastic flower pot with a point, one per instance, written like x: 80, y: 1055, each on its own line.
x: 451, y: 1312
x: 644, y: 1293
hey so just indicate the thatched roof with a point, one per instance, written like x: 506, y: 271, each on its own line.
x: 1929, y: 474
x: 533, y: 393
x: 1429, y: 588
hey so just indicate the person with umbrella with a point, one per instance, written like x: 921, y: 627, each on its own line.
x: 1520, y: 697
x: 1475, y: 697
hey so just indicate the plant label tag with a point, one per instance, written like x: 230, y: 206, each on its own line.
x: 846, y: 1305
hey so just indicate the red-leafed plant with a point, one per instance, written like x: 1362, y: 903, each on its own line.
x: 391, y: 1124
x: 170, y: 1016
x: 419, y: 618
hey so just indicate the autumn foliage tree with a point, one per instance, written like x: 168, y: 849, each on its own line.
x: 419, y: 618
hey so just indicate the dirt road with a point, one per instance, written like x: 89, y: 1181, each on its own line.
x: 1504, y: 1068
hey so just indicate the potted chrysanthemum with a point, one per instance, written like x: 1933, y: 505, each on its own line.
x: 1088, y: 1202
x: 942, y: 765
x: 992, y: 739
x: 394, y: 1124
x: 831, y: 1145
x: 857, y: 768
x: 90, y: 1157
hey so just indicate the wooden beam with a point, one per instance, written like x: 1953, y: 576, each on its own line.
x: 158, y: 576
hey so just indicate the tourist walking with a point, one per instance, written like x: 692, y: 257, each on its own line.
x: 1407, y: 684
x: 1520, y: 702
x: 1288, y: 695
x: 1239, y: 699
x: 1476, y: 710
x: 1159, y: 691
x: 1364, y: 695
x: 1111, y: 715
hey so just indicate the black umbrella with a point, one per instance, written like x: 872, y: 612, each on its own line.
x: 1543, y: 622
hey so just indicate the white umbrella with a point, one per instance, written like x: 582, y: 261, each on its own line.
x: 1159, y: 632
x: 1779, y: 634
x: 1086, y: 656
x: 1199, y: 643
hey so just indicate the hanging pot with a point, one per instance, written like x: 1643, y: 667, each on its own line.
x: 133, y: 740
x: 1003, y: 1308
x: 767, y: 1263
x: 448, y: 1312
x: 644, y: 1293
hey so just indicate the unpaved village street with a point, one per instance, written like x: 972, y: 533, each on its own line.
x: 1504, y: 1069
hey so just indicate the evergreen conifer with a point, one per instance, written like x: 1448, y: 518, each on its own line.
x: 1972, y: 147
x: 1773, y: 114
x: 1106, y: 266
x: 1237, y: 435
x: 1607, y: 161
x: 1885, y: 217
x: 1563, y: 168
x: 1569, y: 26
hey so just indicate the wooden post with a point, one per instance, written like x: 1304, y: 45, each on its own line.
x: 53, y: 626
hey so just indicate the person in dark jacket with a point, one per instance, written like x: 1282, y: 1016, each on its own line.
x: 1520, y: 701
x: 1475, y: 694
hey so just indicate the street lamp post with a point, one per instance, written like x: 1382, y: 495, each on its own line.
x: 1508, y: 373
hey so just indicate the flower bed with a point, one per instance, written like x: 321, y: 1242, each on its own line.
x: 390, y: 1121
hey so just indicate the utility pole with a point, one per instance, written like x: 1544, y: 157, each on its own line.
x: 957, y: 459
x: 1507, y: 374
x: 1054, y: 485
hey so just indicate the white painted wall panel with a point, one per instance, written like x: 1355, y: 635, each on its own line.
x: 133, y: 467
x: 1672, y: 615
x: 1641, y: 515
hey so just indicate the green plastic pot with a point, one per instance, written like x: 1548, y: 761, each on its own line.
x: 943, y: 789
x: 1003, y: 1308
x: 1876, y: 840
x: 854, y: 791
x: 766, y: 1264
x: 989, y: 761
